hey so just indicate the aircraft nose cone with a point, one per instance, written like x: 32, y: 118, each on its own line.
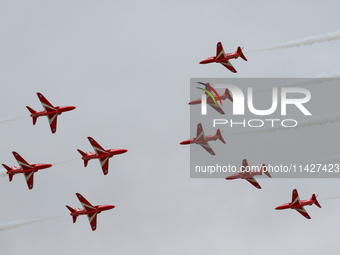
x: 111, y: 206
x: 72, y: 107
x: 207, y: 61
x: 184, y: 142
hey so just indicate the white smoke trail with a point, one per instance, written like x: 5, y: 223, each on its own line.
x: 333, y: 159
x: 305, y: 41
x: 330, y: 198
x: 319, y: 120
x: 12, y: 119
x: 319, y: 79
x: 3, y: 172
x: 328, y: 75
x: 16, y: 224
x: 63, y: 161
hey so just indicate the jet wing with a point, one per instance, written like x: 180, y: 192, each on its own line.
x: 52, y: 119
x: 98, y: 149
x: 228, y: 65
x: 254, y: 182
x: 22, y: 163
x: 93, y: 220
x: 104, y: 162
x: 45, y: 103
x: 303, y: 212
x: 295, y: 198
x: 244, y: 166
x: 29, y: 178
x: 220, y: 54
x: 200, y: 133
x: 217, y: 108
x: 86, y: 205
x: 207, y: 147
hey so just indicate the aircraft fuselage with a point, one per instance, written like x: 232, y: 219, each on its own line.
x: 97, y: 209
x: 289, y: 205
x: 59, y: 110
x: 243, y: 175
x: 206, y: 139
x: 35, y: 168
x: 228, y: 56
x: 109, y: 153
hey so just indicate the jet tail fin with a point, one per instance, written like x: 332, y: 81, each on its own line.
x: 315, y: 201
x: 219, y: 135
x: 83, y: 154
x: 239, y: 50
x: 10, y: 175
x: 265, y: 171
x: 6, y: 167
x: 70, y: 208
x: 74, y: 217
x: 228, y: 95
x: 32, y: 112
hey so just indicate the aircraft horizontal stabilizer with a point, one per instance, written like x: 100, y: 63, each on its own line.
x: 316, y: 201
x: 239, y: 50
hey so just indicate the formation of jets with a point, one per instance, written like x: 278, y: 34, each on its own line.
x: 246, y: 173
x: 28, y: 170
x: 103, y: 155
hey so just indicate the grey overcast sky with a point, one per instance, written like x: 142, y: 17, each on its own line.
x: 127, y: 65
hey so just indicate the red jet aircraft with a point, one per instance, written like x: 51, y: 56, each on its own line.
x: 51, y: 112
x: 210, y: 101
x: 101, y: 154
x: 298, y: 204
x: 203, y: 140
x: 90, y: 210
x: 249, y: 174
x: 25, y: 168
x: 223, y: 58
